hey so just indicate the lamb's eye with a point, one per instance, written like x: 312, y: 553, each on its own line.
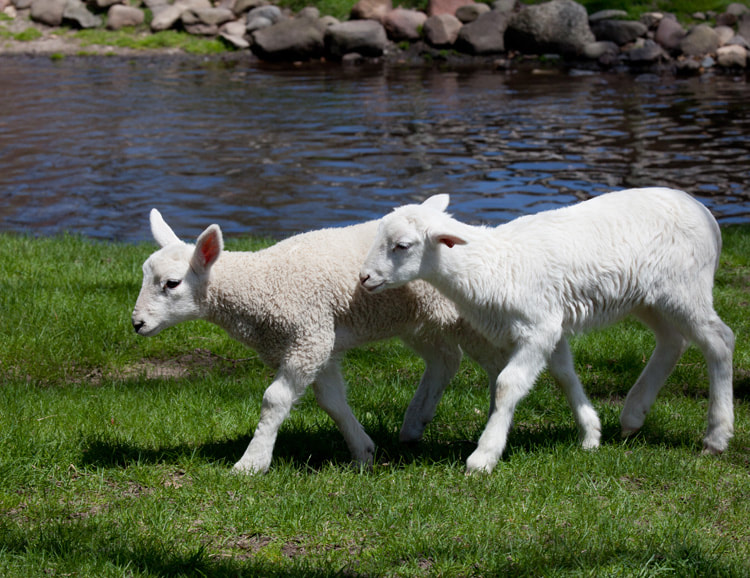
x: 401, y: 246
x: 173, y: 283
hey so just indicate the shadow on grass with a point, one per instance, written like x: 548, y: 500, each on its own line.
x: 312, y: 450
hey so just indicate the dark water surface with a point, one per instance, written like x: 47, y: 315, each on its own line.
x: 89, y: 145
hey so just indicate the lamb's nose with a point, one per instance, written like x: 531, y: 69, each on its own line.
x: 363, y: 278
x: 138, y: 325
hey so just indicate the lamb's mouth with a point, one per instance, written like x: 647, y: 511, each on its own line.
x: 371, y: 287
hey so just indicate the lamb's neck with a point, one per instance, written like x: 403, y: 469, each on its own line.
x: 228, y: 284
x: 464, y: 270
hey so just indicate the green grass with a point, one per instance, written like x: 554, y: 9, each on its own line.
x: 109, y: 467
x: 143, y: 39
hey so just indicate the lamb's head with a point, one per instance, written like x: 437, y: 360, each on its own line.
x: 406, y: 245
x: 174, y: 278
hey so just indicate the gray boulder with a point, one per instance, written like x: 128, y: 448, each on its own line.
x: 214, y: 16
x: 364, y: 37
x: 607, y: 15
x: 743, y: 26
x: 371, y: 10
x: 166, y: 17
x: 647, y: 52
x: 559, y: 26
x: 701, y: 39
x: 441, y: 30
x: 618, y: 31
x: 49, y: 12
x: 263, y: 17
x: 669, y: 34
x: 595, y: 50
x: 290, y: 39
x: 404, y: 24
x: 486, y: 35
x: 120, y: 16
x: 234, y: 33
x: 732, y: 56
x: 470, y: 12
x: 77, y: 14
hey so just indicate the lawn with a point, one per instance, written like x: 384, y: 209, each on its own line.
x: 115, y: 451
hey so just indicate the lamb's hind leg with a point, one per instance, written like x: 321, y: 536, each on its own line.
x: 563, y: 371
x: 670, y: 345
x: 330, y: 392
x: 442, y: 361
x: 716, y: 341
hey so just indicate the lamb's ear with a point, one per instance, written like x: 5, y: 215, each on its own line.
x: 208, y: 247
x: 163, y: 234
x: 449, y: 240
x: 437, y: 202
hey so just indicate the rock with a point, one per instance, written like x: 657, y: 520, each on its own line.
x: 243, y: 6
x: 76, y: 13
x: 701, y: 39
x: 214, y: 16
x: 688, y: 66
x: 607, y: 15
x: 201, y: 29
x: 435, y: 7
x: 731, y: 57
x: 669, y: 34
x: 49, y: 12
x: 404, y: 24
x: 558, y: 26
x: 441, y: 30
x: 165, y: 18
x: 619, y: 31
x: 647, y: 52
x: 651, y: 19
x: 743, y: 26
x: 107, y: 3
x: 262, y: 17
x: 486, y: 35
x: 595, y: 50
x: 120, y: 16
x: 364, y: 37
x: 290, y: 39
x: 737, y: 9
x: 470, y: 12
x: 725, y: 34
x: 234, y: 33
x: 506, y: 6
x: 371, y: 10
x: 738, y: 40
x: 309, y: 12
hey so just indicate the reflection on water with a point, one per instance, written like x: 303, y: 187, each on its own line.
x: 91, y: 144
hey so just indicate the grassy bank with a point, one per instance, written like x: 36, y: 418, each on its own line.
x: 115, y: 451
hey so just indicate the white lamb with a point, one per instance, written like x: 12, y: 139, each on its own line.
x: 300, y: 306
x: 528, y: 284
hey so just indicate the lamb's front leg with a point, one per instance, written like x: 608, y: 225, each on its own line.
x: 513, y: 383
x: 278, y: 400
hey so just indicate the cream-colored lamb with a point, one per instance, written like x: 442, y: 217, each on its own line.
x: 530, y: 283
x: 299, y: 305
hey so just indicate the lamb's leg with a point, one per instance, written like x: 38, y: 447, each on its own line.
x: 563, y: 371
x: 513, y: 383
x: 716, y: 340
x: 442, y: 361
x: 278, y: 400
x: 330, y: 391
x: 670, y: 345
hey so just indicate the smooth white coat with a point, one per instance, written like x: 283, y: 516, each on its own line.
x: 528, y: 284
x: 298, y: 303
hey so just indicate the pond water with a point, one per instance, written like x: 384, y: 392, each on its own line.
x: 89, y: 145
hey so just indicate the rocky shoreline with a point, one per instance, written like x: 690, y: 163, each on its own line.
x: 504, y: 35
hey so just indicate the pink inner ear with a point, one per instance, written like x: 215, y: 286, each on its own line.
x: 448, y: 242
x: 209, y: 249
